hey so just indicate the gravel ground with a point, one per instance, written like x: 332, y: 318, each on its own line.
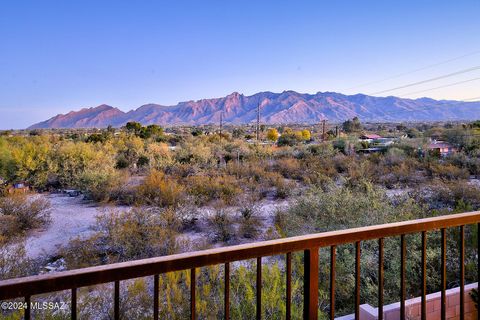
x: 71, y: 217
x: 202, y: 233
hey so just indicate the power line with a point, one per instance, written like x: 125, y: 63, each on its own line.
x: 415, y: 70
x: 435, y: 106
x: 429, y: 80
x: 431, y: 106
x: 471, y: 99
x: 440, y: 87
x: 258, y: 121
x: 221, y: 123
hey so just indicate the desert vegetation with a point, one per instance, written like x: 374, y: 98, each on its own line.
x: 179, y: 189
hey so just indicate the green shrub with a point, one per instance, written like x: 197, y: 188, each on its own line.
x: 289, y: 139
x: 290, y: 168
x: 205, y: 188
x: 447, y: 171
x: 221, y: 224
x: 283, y: 188
x: 101, y: 184
x: 447, y: 195
x: 159, y: 190
x: 27, y: 212
x: 340, y: 208
x: 250, y: 222
x: 14, y: 261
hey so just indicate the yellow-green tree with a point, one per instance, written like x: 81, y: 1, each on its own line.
x: 272, y: 134
x: 306, y: 135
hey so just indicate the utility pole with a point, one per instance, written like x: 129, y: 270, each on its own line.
x: 323, y: 129
x: 336, y: 131
x: 258, y: 121
x: 221, y: 123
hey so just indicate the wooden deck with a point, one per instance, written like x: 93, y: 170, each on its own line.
x: 309, y: 244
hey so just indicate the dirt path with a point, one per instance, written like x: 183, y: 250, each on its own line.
x: 71, y: 217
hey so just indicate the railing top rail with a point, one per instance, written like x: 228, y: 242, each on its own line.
x: 33, y: 285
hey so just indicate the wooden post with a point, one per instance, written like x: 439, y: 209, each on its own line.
x: 310, y: 303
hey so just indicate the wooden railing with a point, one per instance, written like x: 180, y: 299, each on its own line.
x: 309, y: 244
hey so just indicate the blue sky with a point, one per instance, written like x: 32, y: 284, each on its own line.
x: 57, y: 56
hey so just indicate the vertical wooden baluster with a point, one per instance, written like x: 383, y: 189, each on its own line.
x: 192, y: 294
x: 357, y: 280
x: 380, y: 278
x: 478, y: 262
x: 310, y: 286
x: 156, y: 281
x: 403, y: 291
x: 73, y: 308
x: 443, y: 301
x: 462, y: 272
x: 28, y: 310
x: 289, y: 286
x: 227, y: 291
x: 259, y: 288
x: 424, y: 276
x: 116, y: 301
x: 333, y: 252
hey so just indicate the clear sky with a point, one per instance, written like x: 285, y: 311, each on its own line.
x: 57, y: 56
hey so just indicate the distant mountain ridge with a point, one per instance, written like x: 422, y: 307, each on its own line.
x: 276, y: 108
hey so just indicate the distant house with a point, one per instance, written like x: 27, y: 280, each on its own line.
x: 72, y: 192
x: 383, y: 142
x: 369, y: 137
x: 375, y: 143
x: 374, y: 140
x: 372, y: 150
x: 19, y: 187
x: 441, y: 148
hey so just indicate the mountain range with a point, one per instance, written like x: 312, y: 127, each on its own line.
x: 275, y: 108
